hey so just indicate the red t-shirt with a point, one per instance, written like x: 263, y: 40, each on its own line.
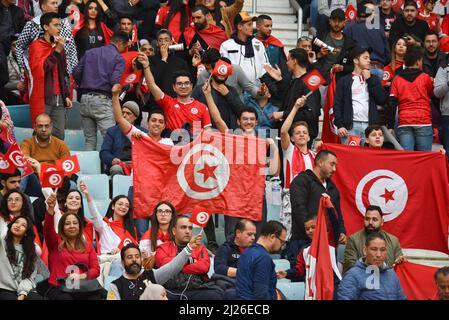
x: 433, y: 20
x: 177, y: 113
x: 173, y: 25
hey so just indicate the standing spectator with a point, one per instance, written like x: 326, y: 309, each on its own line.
x: 265, y: 109
x: 30, y: 8
x: 357, y: 96
x: 397, y: 61
x: 175, y: 17
x: 12, y: 22
x: 408, y: 24
x: 15, y: 86
x: 48, y: 63
x: 305, y: 194
x: 98, y: 70
x: 223, y: 15
x: 442, y: 282
x: 33, y: 31
x: 228, y: 254
x: 410, y: 93
x: 387, y: 15
x: 244, y: 49
x: 18, y: 261
x: 186, y: 283
x: 256, y: 276
x: 273, y: 46
x: 441, y: 91
x: 69, y: 251
x: 369, y: 35
x: 325, y: 7
x: 94, y: 33
x: 226, y: 98
x: 127, y: 25
x: 426, y: 14
x: 433, y: 57
x: 356, y: 284
x: 116, y: 148
x: 373, y: 223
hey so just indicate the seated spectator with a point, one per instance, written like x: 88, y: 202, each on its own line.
x: 441, y: 91
x: 426, y: 13
x: 187, y: 283
x: 373, y: 223
x: 127, y: 25
x: 69, y: 251
x: 222, y: 15
x: 433, y: 57
x: 48, y: 64
x: 442, y: 282
x: 137, y: 274
x: 18, y: 261
x: 410, y: 94
x: 15, y: 86
x: 175, y: 17
x: 387, y: 15
x: 116, y: 147
x: 256, y: 276
x: 228, y: 254
x: 162, y: 222
x: 5, y: 124
x: 265, y: 108
x: 324, y: 11
x: 397, y: 62
x: 378, y: 137
x: 356, y: 283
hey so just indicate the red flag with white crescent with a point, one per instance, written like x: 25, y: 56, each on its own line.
x: 417, y: 280
x: 314, y: 79
x: 351, y: 13
x: 354, y: 141
x: 208, y: 172
x: 410, y: 187
x: 7, y: 137
x: 70, y: 165
x: 52, y: 178
x: 5, y: 165
x: 15, y: 158
x: 200, y: 217
x: 222, y: 68
x: 329, y: 133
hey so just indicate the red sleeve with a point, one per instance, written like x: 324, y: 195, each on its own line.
x: 300, y: 265
x: 202, y: 263
x: 161, y: 16
x: 206, y: 118
x: 94, y: 267
x: 429, y: 86
x: 51, y: 237
x: 394, y: 90
x: 162, y: 256
x: 165, y: 102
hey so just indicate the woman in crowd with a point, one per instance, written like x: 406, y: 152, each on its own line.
x: 175, y: 17
x: 71, y: 258
x: 397, y: 61
x: 18, y: 261
x: 161, y: 223
x: 222, y: 15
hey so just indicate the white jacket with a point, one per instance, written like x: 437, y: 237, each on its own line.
x: 253, y: 67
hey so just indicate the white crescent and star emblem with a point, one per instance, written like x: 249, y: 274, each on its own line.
x: 202, y: 217
x: 55, y: 179
x: 314, y: 80
x: 211, y: 172
x: 223, y: 70
x: 68, y: 165
x: 131, y: 78
x: 127, y: 241
x: 4, y: 164
x: 17, y: 158
x: 385, y: 189
x: 386, y: 75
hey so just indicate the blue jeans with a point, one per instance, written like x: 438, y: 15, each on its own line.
x: 358, y: 129
x: 31, y: 186
x: 314, y: 13
x: 416, y: 138
x: 377, y: 72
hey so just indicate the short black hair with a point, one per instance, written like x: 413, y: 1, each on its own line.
x: 431, y: 33
x: 323, y: 154
x: 272, y: 227
x: 371, y: 128
x: 125, y: 16
x: 42, y: 2
x: 204, y: 10
x: 164, y: 31
x: 310, y: 216
x: 210, y: 56
x: 248, y: 109
x: 301, y: 57
x: 120, y: 36
x: 46, y: 18
x: 6, y: 176
x: 263, y: 17
x: 241, y: 225
x: 413, y: 55
x: 411, y: 3
x: 374, y: 208
x: 443, y: 270
x: 128, y: 246
x: 181, y: 73
x: 374, y: 236
x: 156, y: 111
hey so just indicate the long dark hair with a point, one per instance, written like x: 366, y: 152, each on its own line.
x: 155, y: 222
x: 62, y: 9
x: 80, y: 243
x: 99, y: 18
x: 24, y: 212
x: 128, y: 220
x: 80, y: 210
x: 175, y: 7
x: 28, y: 247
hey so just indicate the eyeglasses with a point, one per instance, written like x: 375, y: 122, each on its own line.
x: 183, y: 84
x: 162, y: 212
x: 282, y: 242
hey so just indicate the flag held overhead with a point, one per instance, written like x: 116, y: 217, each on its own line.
x: 200, y: 217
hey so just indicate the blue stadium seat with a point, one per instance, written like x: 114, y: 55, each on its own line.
x: 108, y: 281
x: 75, y: 140
x: 281, y: 264
x: 211, y: 269
x: 292, y: 290
x: 220, y: 235
x: 273, y: 212
x: 22, y: 133
x: 102, y: 206
x: 89, y: 161
x: 120, y: 185
x: 98, y: 185
x: 74, y: 117
x: 99, y: 140
x: 20, y: 115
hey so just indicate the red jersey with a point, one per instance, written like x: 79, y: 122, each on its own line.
x: 389, y: 73
x: 173, y: 25
x: 178, y: 113
x: 433, y: 20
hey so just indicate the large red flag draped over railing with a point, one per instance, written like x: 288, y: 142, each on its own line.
x: 411, y: 188
x: 417, y: 280
x: 222, y: 173
x: 329, y: 133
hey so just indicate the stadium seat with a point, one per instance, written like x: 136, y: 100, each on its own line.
x: 273, y: 212
x: 98, y: 185
x: 281, y: 264
x: 89, y: 161
x: 102, y: 206
x: 108, y: 281
x: 292, y: 290
x: 75, y: 140
x: 74, y: 117
x: 220, y: 235
x: 22, y: 133
x: 120, y: 185
x: 20, y: 115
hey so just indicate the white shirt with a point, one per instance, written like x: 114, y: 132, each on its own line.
x: 360, y: 99
x: 166, y: 141
x: 288, y: 156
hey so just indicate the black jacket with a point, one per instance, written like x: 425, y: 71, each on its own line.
x: 343, y: 111
x: 399, y: 28
x: 227, y: 256
x: 305, y: 194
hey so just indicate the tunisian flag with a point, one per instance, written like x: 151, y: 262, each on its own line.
x: 411, y: 188
x: 329, y: 133
x: 222, y: 173
x: 321, y: 257
x: 214, y: 36
x: 417, y: 280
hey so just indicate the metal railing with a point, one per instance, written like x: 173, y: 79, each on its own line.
x: 298, y: 9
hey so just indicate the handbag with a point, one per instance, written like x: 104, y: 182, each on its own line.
x: 82, y: 285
